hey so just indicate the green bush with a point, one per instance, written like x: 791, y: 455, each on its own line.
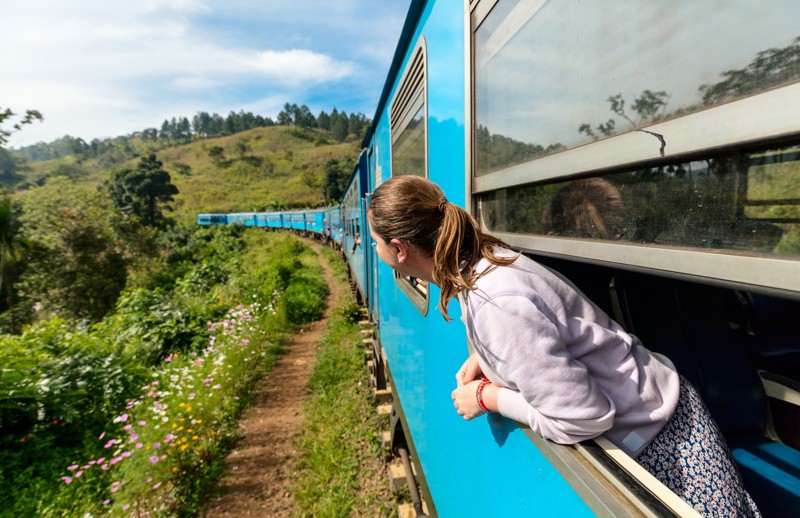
x: 305, y: 297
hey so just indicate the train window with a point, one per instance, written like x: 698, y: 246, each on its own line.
x: 747, y: 203
x: 700, y: 167
x: 551, y: 76
x: 408, y: 118
x: 409, y: 130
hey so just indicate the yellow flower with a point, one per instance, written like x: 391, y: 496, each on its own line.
x: 194, y: 437
x: 184, y: 446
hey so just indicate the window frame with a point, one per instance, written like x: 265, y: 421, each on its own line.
x: 409, y: 98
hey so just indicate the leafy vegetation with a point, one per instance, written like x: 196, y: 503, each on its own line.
x: 136, y: 412
x: 130, y: 339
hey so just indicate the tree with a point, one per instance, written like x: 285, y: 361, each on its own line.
x: 76, y: 265
x: 7, y: 114
x: 337, y: 175
x: 143, y: 191
x: 9, y: 228
x: 242, y: 147
x: 217, y: 154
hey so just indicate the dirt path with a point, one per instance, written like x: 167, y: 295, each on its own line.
x: 260, y: 468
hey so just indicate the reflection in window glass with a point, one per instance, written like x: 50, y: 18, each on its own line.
x: 408, y: 151
x: 748, y: 202
x: 568, y: 73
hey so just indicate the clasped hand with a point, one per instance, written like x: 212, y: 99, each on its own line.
x: 467, y: 381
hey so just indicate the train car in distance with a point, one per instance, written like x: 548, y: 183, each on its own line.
x: 272, y: 220
x: 246, y: 219
x: 211, y: 219
x: 314, y: 219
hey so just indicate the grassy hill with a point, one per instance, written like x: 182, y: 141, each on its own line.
x: 259, y: 169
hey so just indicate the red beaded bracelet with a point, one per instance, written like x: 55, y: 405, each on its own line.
x: 479, y: 395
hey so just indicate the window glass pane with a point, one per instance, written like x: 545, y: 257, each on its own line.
x: 568, y: 73
x: 746, y: 202
x: 408, y: 151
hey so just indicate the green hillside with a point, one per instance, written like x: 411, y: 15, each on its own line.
x: 256, y: 170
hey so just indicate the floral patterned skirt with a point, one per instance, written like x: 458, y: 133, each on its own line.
x: 691, y: 457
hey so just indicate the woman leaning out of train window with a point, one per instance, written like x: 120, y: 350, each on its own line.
x: 547, y: 356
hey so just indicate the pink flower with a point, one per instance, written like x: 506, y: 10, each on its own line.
x: 78, y: 474
x: 73, y: 467
x: 101, y: 436
x: 245, y: 341
x: 156, y: 445
x: 169, y: 437
x: 106, y: 502
x: 127, y: 427
x: 123, y: 418
x: 126, y: 454
x: 154, y: 459
x: 139, y: 445
x: 142, y: 423
x: 104, y: 467
x: 100, y: 460
x: 67, y: 480
x: 156, y: 486
x: 126, y: 507
x: 115, y: 489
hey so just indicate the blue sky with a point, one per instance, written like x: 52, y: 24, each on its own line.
x: 103, y: 68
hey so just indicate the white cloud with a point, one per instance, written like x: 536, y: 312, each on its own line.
x: 99, y: 68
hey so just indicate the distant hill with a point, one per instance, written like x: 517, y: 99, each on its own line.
x: 254, y: 170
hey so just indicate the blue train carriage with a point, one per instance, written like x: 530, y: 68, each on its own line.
x: 273, y: 220
x: 296, y: 221
x: 517, y: 105
x: 245, y: 219
x: 314, y: 222
x: 211, y: 219
x: 354, y: 233
x: 332, y: 225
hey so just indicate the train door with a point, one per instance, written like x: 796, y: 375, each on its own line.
x: 371, y: 251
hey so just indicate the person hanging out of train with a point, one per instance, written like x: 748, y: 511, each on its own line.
x: 546, y: 356
x: 357, y: 240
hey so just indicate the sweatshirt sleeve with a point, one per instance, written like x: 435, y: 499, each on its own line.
x: 545, y: 386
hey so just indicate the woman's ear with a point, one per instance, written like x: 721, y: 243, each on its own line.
x: 400, y: 249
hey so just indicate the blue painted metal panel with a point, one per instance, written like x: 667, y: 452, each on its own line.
x: 485, y: 466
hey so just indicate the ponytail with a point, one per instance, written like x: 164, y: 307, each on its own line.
x: 415, y: 210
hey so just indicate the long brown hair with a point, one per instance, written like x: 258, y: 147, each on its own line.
x: 415, y: 211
